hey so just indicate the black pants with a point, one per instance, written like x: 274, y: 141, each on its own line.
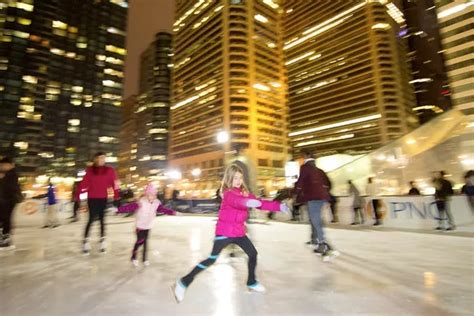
x: 375, y: 207
x: 75, y: 208
x: 96, y: 210
x: 444, y: 213
x: 6, y: 211
x: 142, y: 239
x: 220, y: 242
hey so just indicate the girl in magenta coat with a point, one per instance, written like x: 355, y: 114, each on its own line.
x: 230, y: 228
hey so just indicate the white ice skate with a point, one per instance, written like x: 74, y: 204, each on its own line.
x: 135, y: 263
x: 257, y: 287
x: 146, y: 263
x: 178, y: 290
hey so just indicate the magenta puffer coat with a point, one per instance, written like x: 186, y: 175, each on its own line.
x: 234, y: 212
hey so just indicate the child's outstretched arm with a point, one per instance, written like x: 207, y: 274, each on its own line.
x: 164, y: 210
x: 265, y: 205
x: 128, y: 208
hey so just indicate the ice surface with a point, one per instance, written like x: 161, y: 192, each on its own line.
x: 379, y: 272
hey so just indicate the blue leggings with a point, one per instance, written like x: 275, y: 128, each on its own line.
x: 220, y: 242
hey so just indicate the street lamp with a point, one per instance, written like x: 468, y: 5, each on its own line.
x: 196, y: 172
x: 222, y: 137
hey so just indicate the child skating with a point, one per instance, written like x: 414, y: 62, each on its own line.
x: 146, y: 209
x: 230, y: 229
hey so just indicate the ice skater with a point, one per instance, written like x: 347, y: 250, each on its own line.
x: 98, y: 179
x: 230, y: 228
x: 10, y: 196
x: 313, y: 187
x: 146, y: 209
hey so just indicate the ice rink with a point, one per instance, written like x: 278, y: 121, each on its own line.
x: 379, y: 272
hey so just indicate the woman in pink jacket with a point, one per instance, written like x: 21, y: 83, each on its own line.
x: 146, y: 209
x: 230, y: 228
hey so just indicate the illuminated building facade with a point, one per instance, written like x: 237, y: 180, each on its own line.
x: 430, y: 80
x: 228, y: 91
x: 455, y: 22
x: 152, y: 113
x: 127, y: 155
x: 348, y: 76
x: 61, y: 72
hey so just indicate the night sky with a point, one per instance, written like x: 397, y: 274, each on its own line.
x: 145, y: 19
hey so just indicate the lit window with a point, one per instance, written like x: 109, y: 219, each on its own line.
x: 157, y: 130
x: 21, y: 34
x: 261, y: 87
x: 115, y: 49
x: 71, y: 55
x: 110, y: 83
x: 261, y: 18
x: 59, y: 25
x: 24, y: 21
x: 57, y: 51
x: 53, y: 91
x: 74, y: 122
x: 107, y: 139
x: 76, y: 102
x: 81, y: 45
x: 23, y: 6
x: 114, y: 30
x: 30, y: 79
x: 21, y: 145
x: 77, y: 89
x: 73, y: 29
x: 114, y: 61
x: 121, y: 3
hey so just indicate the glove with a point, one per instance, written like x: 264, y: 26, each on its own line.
x: 117, y: 203
x: 284, y: 208
x: 253, y: 203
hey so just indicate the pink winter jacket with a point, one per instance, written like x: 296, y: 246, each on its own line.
x: 234, y: 212
x: 145, y: 212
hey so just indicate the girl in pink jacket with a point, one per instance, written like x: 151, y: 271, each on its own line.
x: 146, y: 209
x: 230, y: 228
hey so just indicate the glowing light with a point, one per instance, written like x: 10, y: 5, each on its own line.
x: 325, y: 140
x: 395, y: 13
x: 271, y: 4
x: 294, y: 60
x: 222, y: 137
x: 338, y: 124
x: 196, y: 172
x: 262, y: 87
x: 382, y: 26
x: 455, y: 9
x: 261, y: 18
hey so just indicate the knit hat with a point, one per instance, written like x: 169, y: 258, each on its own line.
x: 150, y: 189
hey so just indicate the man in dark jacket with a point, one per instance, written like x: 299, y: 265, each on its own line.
x: 444, y: 190
x: 10, y: 195
x: 312, y: 188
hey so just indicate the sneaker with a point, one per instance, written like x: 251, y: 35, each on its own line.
x: 146, y: 263
x: 5, y: 242
x: 256, y: 287
x: 438, y: 228
x: 45, y: 226
x: 103, y: 245
x: 451, y: 228
x: 55, y: 226
x: 178, y: 290
x: 86, y: 248
x: 135, y: 263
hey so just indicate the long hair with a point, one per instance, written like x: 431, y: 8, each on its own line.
x: 229, y: 177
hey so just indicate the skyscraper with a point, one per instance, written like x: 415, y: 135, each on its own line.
x: 127, y: 155
x: 457, y: 33
x: 152, y: 113
x: 228, y: 91
x: 430, y: 80
x: 61, y: 71
x: 348, y: 76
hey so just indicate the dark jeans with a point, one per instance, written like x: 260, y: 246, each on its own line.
x: 96, y: 210
x: 444, y: 213
x: 6, y: 211
x: 142, y: 239
x: 75, y: 208
x: 220, y: 242
x: 375, y: 207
